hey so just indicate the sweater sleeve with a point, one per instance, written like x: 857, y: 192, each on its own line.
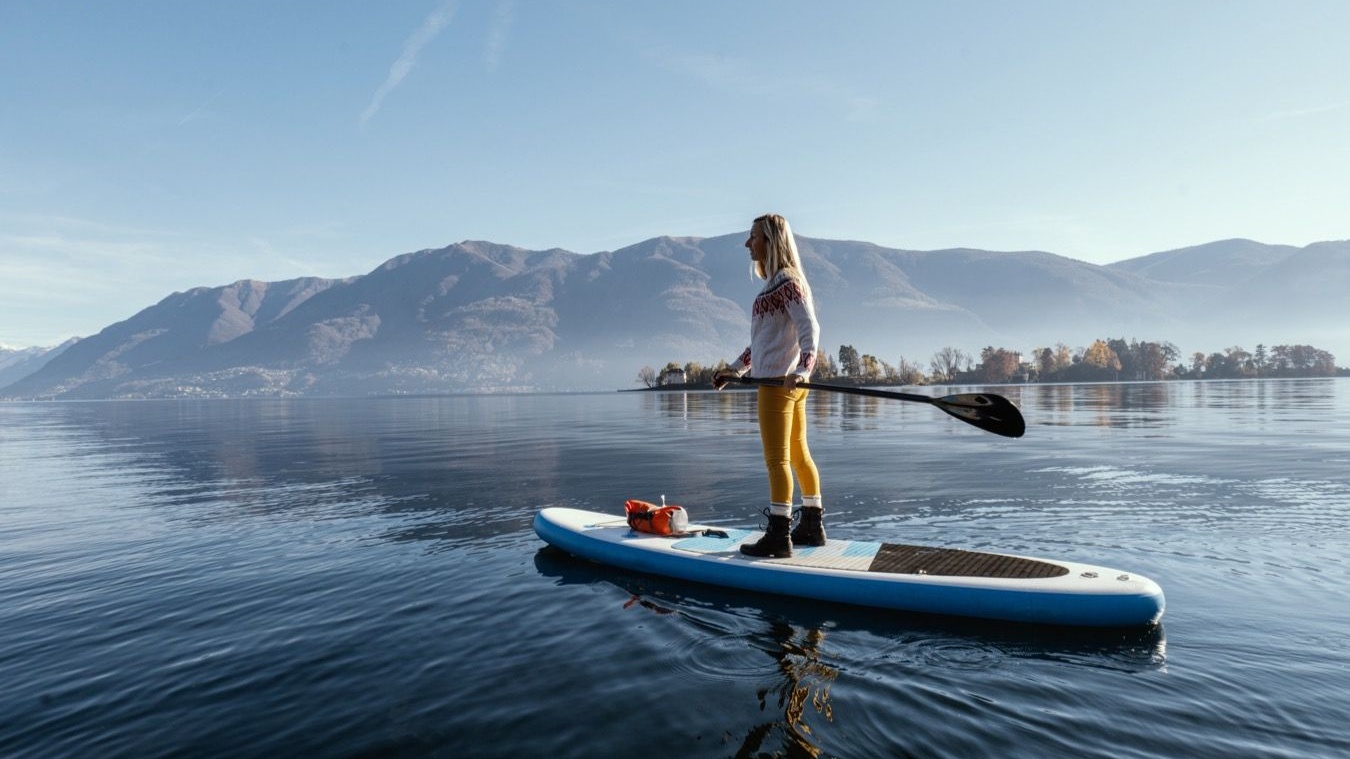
x: 803, y: 315
x: 742, y: 363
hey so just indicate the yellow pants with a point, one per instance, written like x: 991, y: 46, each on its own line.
x: 782, y: 430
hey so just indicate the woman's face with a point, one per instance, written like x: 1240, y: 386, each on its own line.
x: 758, y: 243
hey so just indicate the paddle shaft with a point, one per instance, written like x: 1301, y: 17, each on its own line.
x: 990, y: 412
x: 850, y: 390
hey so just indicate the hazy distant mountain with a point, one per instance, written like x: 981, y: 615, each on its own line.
x: 1228, y: 263
x: 478, y: 316
x: 17, y: 363
x: 1254, y: 293
x: 138, y: 356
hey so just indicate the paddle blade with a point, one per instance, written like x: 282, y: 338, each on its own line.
x: 991, y: 413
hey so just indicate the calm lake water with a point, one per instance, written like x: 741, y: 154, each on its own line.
x: 359, y: 578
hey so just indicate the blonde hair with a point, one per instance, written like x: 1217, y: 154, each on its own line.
x: 782, y: 248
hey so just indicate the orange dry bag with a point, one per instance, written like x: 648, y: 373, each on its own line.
x: 658, y: 520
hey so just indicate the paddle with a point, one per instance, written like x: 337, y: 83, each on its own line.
x: 989, y: 412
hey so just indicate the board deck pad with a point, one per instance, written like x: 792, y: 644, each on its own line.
x: 953, y: 562
x: 892, y: 558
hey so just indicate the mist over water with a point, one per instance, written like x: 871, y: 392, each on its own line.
x: 359, y: 578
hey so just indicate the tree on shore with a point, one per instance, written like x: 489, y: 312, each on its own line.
x: 1105, y: 360
x: 1101, y: 356
x: 826, y: 368
x: 999, y: 365
x: 850, y: 363
x: 947, y: 363
x: 1301, y: 361
x: 909, y: 373
x: 1153, y: 359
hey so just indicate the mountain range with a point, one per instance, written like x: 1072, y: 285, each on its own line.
x: 480, y: 316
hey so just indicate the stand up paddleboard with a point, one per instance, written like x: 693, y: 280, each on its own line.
x: 882, y: 575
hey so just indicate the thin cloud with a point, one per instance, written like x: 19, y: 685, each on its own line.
x: 268, y: 251
x: 1298, y: 113
x: 720, y: 71
x: 737, y: 75
x: 197, y: 112
x: 502, y: 21
x: 48, y: 268
x: 428, y: 31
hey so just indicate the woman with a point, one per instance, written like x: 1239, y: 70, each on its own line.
x: 784, y: 336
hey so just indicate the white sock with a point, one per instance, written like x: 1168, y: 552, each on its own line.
x: 780, y: 509
x: 811, y: 502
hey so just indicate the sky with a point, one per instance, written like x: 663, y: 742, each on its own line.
x: 149, y: 147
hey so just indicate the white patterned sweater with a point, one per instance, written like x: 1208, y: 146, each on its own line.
x: 784, y: 333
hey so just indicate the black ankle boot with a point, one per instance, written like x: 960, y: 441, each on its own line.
x: 776, y: 543
x: 810, y: 530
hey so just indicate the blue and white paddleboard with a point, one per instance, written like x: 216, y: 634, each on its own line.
x: 883, y: 575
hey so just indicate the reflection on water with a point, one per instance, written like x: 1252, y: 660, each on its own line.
x: 437, y: 463
x: 1106, y: 405
x: 735, y: 632
x: 1155, y: 404
x: 806, y: 681
x: 726, y: 650
x: 1125, y: 404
